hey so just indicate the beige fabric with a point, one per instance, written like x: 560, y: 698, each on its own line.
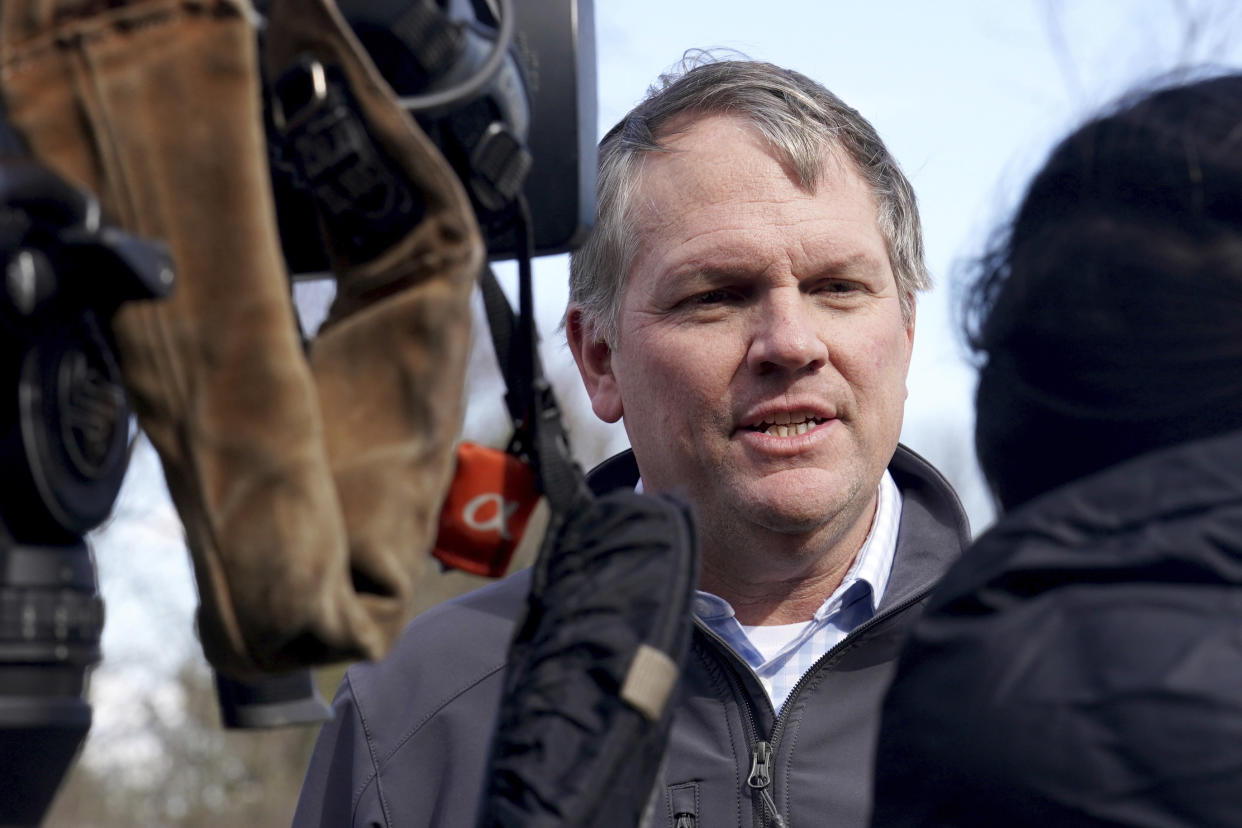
x: 649, y: 682
x: 308, y: 487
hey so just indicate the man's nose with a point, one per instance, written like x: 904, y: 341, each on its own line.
x: 786, y: 337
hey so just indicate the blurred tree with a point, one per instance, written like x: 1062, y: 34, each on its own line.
x: 196, y: 774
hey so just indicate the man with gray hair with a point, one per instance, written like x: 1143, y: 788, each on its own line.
x: 747, y: 304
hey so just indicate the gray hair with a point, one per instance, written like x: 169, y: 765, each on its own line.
x: 797, y: 116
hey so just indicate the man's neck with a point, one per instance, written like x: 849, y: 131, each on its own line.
x: 773, y: 578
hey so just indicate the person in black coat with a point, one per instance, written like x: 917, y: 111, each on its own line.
x: 1082, y: 664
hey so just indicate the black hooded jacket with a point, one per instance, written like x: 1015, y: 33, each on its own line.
x: 1082, y: 664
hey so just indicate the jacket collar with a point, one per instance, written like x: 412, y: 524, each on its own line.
x: 934, y: 527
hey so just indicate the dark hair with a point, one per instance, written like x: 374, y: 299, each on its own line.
x: 1108, y: 315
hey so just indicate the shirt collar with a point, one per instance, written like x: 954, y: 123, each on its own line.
x: 874, y: 562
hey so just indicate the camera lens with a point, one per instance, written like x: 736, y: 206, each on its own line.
x: 51, y: 617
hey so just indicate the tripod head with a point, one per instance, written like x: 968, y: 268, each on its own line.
x: 63, y: 434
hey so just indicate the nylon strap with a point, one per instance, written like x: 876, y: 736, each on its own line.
x: 539, y: 431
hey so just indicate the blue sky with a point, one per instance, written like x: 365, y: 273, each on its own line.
x: 969, y: 95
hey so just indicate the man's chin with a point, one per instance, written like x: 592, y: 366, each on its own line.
x: 796, y: 502
x: 789, y: 514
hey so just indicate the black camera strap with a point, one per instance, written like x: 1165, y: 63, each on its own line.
x: 539, y: 431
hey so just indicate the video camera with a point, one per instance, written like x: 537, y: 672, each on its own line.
x: 529, y: 128
x: 505, y: 89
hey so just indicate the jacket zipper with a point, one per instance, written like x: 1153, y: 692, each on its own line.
x: 754, y: 738
x: 761, y: 778
x: 761, y: 750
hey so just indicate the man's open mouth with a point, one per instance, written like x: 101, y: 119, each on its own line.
x: 790, y: 425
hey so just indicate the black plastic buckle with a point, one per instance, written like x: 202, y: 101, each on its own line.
x: 302, y: 91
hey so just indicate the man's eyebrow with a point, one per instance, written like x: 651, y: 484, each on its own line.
x: 719, y: 273
x: 862, y: 259
x: 708, y: 274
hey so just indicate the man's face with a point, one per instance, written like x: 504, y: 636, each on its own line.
x: 761, y: 357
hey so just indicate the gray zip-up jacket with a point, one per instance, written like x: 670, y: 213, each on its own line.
x: 409, y: 741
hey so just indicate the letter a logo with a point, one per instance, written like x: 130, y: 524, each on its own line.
x: 498, y: 521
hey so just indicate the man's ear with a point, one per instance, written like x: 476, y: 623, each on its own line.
x: 910, y: 339
x: 594, y: 358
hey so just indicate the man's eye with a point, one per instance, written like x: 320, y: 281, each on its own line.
x: 837, y: 286
x: 714, y: 297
